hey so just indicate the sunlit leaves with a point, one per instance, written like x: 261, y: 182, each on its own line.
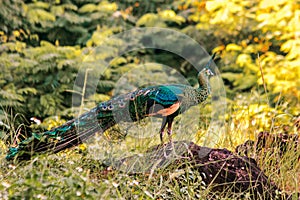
x: 13, y: 46
x: 282, y: 76
x: 149, y: 20
x: 39, y: 16
x: 88, y: 8
x: 34, y: 77
x: 105, y: 6
x: 67, y: 23
x: 160, y: 19
x: 283, y: 12
x: 233, y: 47
x: 247, y: 34
x: 11, y: 15
x: 243, y: 60
x: 100, y: 37
x: 265, y: 29
x: 292, y: 47
x: 27, y: 90
x: 225, y: 17
x: 170, y: 15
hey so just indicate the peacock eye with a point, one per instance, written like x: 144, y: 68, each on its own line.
x: 103, y: 106
x: 110, y: 107
x: 121, y: 104
x: 132, y: 97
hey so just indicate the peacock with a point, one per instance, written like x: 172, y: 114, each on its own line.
x: 163, y: 101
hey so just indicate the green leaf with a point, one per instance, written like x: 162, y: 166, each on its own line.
x: 88, y: 8
x: 105, y: 6
x: 231, y: 76
x: 39, y: 15
x: 149, y: 19
x: 39, y: 4
x: 27, y: 90
x: 118, y: 61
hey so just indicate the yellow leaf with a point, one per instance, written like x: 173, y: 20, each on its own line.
x: 295, y: 64
x: 167, y: 14
x: 46, y: 44
x: 243, y: 59
x: 82, y: 147
x: 118, y: 61
x: 233, y: 47
x: 194, y: 17
x: 214, y: 5
x: 234, y: 8
x: 250, y: 49
x: 262, y: 17
x: 271, y: 3
x: 170, y: 15
x: 270, y: 78
x: 222, y: 16
x: 219, y: 48
x: 203, y: 26
x: 294, y: 53
x: 87, y: 8
x: 105, y: 6
x: 20, y: 46
x: 148, y: 19
x: 38, y: 15
x: 16, y: 33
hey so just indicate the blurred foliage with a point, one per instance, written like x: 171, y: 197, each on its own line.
x: 45, y: 44
x: 50, y: 63
x: 253, y: 35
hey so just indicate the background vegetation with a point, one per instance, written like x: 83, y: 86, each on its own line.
x: 43, y: 44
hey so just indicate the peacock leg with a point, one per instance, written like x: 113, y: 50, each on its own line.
x: 163, y: 125
x: 169, y: 129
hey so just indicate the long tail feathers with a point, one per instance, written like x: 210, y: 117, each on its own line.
x: 70, y: 134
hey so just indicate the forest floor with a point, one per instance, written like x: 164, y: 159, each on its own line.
x: 267, y: 168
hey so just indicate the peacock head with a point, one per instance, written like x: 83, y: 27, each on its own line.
x: 206, y: 73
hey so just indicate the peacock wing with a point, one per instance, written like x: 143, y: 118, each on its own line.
x: 164, y: 100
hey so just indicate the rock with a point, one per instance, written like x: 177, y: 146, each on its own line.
x: 220, y: 169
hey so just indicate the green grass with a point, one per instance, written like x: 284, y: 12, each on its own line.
x: 83, y: 173
x: 74, y: 175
